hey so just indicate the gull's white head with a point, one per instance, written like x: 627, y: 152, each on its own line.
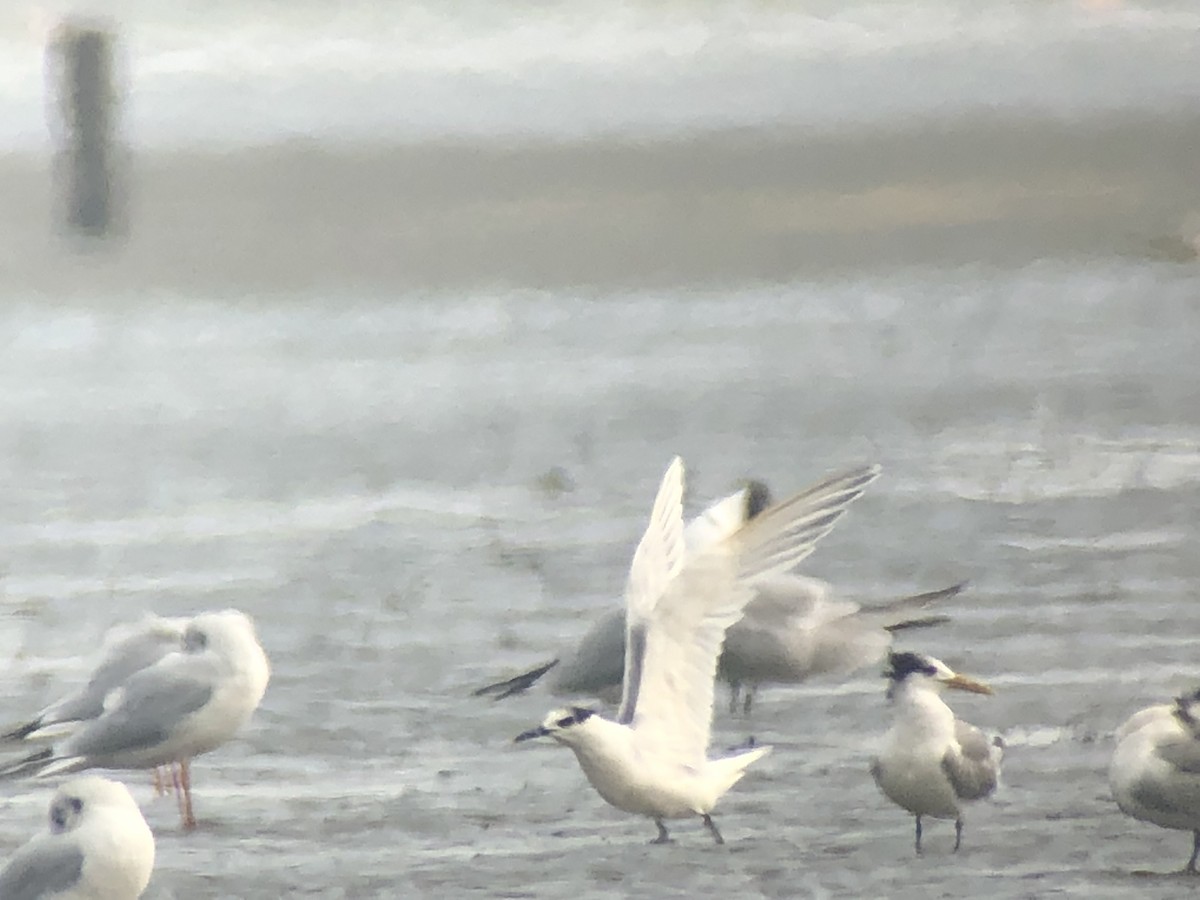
x: 916, y: 670
x: 567, y: 726
x: 224, y: 632
x: 80, y: 798
x: 230, y: 636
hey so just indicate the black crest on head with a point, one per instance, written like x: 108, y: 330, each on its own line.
x: 578, y: 714
x: 758, y: 498
x: 901, y: 665
x: 1183, y: 705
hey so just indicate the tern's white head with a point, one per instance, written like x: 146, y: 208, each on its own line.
x: 567, y: 726
x: 915, y: 670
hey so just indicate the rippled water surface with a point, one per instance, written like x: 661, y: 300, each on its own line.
x: 407, y: 310
x: 414, y: 496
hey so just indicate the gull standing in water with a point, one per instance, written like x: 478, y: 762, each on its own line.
x: 932, y: 762
x: 1155, y: 769
x: 653, y: 760
x: 98, y: 848
x: 191, y: 701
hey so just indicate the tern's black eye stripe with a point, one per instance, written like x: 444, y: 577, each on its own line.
x: 578, y: 714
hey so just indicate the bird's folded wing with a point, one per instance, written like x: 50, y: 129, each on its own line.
x: 45, y: 867
x: 1182, y: 754
x: 1176, y: 789
x: 974, y: 769
x: 146, y: 711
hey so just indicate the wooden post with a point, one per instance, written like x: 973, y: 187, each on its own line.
x: 81, y: 74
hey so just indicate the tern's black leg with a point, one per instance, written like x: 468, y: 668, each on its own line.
x: 1191, y: 866
x: 918, y: 835
x: 663, y: 837
x: 749, y: 701
x: 735, y: 694
x: 712, y: 826
x: 957, y: 833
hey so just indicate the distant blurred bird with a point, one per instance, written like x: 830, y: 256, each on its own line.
x: 1155, y: 768
x: 793, y: 629
x: 98, y: 847
x: 931, y: 762
x: 189, y: 702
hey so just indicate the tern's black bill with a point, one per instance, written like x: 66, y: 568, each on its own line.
x: 540, y: 731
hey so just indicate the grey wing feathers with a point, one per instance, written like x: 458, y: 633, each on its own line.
x: 153, y: 703
x: 1183, y: 755
x: 42, y: 869
x: 125, y: 657
x: 598, y: 663
x: 135, y: 654
x: 769, y: 549
x: 974, y: 769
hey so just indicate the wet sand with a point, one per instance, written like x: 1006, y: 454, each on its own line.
x: 708, y: 208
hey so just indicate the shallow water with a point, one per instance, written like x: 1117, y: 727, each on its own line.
x: 396, y: 346
x: 414, y: 497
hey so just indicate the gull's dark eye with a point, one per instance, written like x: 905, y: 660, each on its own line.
x: 194, y: 640
x: 76, y: 804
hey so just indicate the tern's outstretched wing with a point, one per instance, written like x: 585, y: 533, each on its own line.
x: 681, y: 630
x: 657, y: 561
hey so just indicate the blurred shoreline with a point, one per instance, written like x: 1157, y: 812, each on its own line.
x: 703, y: 209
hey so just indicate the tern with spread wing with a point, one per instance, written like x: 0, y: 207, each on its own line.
x: 1155, y: 769
x: 191, y: 701
x: 794, y: 629
x: 653, y: 759
x: 932, y: 763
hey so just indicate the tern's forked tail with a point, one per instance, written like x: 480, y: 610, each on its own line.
x: 726, y: 771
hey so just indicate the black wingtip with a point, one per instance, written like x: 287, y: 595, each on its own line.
x: 758, y: 498
x: 29, y: 765
x: 519, y: 684
x: 19, y: 734
x: 911, y: 624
